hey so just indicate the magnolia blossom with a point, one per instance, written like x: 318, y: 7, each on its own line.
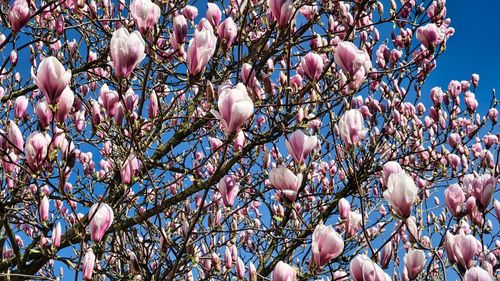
x: 430, y: 35
x: 130, y: 168
x: 401, y: 194
x: 414, y: 263
x: 52, y: 79
x: 351, y: 126
x: 228, y: 189
x: 56, y: 235
x: 20, y: 106
x: 465, y: 248
x: 454, y: 199
x: 36, y: 150
x: 101, y: 217
x: 477, y: 274
x: 235, y: 107
x: 145, y: 13
x: 299, y: 145
x: 282, y: 11
x: 201, y: 48
x: 483, y: 188
x: 44, y: 113
x: 15, y: 136
x: 88, y: 265
x: 351, y: 59
x: 286, y: 181
x: 64, y: 105
x: 362, y: 269
x: 388, y: 169
x: 344, y: 208
x: 284, y: 272
x: 214, y: 14
x: 19, y: 14
x: 179, y: 24
x: 386, y: 257
x: 327, y: 244
x: 312, y: 65
x: 127, y: 51
x: 228, y: 31
x: 43, y: 209
x: 448, y: 245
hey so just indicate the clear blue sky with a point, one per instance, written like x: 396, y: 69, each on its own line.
x: 475, y: 48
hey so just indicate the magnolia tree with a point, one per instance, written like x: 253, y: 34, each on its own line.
x: 279, y: 140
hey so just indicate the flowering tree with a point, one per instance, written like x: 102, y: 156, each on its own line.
x: 279, y: 140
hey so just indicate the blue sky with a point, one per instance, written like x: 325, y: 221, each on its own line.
x: 474, y: 48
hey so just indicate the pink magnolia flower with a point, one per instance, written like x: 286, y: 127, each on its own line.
x: 437, y: 96
x: 477, y: 274
x: 344, y: 208
x: 235, y: 107
x: 351, y: 127
x: 153, y: 105
x: 448, y: 246
x: 327, y: 244
x: 353, y: 223
x: 127, y: 51
x: 145, y: 13
x: 44, y: 113
x: 36, y: 150
x: 179, y: 24
x: 454, y: 88
x: 15, y: 136
x: 286, y: 181
x: 20, y: 106
x: 362, y: 269
x: 190, y: 12
x: 201, y: 48
x: 284, y: 272
x: 19, y: 15
x: 299, y: 145
x: 454, y: 199
x: 312, y: 65
x: 470, y: 101
x: 228, y: 258
x: 252, y: 272
x: 109, y: 99
x: 282, y: 11
x: 388, y: 169
x: 44, y: 208
x: 414, y: 263
x: 101, y: 217
x: 386, y: 257
x: 490, y: 140
x: 64, y: 105
x: 129, y: 169
x: 214, y: 14
x: 240, y: 269
x: 130, y: 100
x: 351, y: 59
x: 483, y: 188
x: 474, y: 79
x: 308, y: 11
x: 56, y: 235
x: 228, y: 189
x: 465, y: 248
x: 52, y: 79
x: 430, y: 35
x: 401, y: 194
x: 88, y: 265
x: 228, y: 32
